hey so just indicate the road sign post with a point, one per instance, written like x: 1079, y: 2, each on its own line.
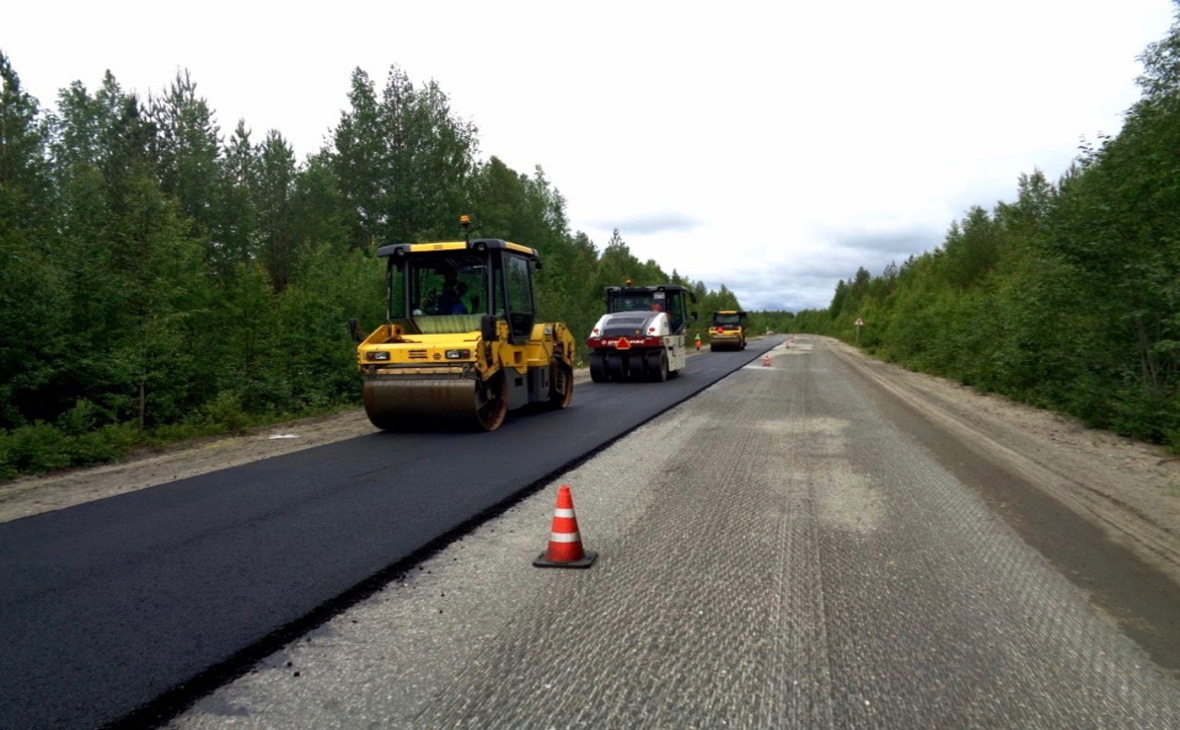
x: 859, y: 323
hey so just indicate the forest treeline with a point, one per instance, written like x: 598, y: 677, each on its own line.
x: 160, y: 280
x: 1067, y: 298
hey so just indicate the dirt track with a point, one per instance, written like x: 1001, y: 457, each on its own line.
x: 1129, y: 489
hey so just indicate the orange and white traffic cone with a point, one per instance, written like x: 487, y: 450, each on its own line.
x: 565, y: 544
x: 766, y: 361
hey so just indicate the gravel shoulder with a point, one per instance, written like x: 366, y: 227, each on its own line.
x: 1129, y: 489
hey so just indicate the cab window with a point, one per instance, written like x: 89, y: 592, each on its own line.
x: 519, y: 290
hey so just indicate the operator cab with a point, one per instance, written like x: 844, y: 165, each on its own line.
x: 669, y: 299
x: 448, y: 288
x: 728, y: 319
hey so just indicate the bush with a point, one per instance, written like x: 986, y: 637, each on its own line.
x: 226, y: 411
x: 79, y: 420
x: 7, y: 469
x: 102, y: 446
x: 35, y: 449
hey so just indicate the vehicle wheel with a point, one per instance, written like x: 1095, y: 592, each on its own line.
x: 493, y: 403
x: 614, y: 367
x: 659, y: 368
x: 635, y: 367
x: 597, y: 368
x: 561, y: 386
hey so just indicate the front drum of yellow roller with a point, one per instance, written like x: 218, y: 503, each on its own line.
x: 400, y: 403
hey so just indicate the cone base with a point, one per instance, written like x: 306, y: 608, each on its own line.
x: 585, y: 562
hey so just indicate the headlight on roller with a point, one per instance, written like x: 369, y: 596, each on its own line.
x: 377, y: 355
x: 458, y: 354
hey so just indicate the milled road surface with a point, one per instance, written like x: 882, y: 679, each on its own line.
x: 779, y: 551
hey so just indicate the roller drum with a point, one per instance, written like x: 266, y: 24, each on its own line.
x: 421, y: 404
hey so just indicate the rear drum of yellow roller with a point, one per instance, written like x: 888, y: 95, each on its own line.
x: 400, y: 403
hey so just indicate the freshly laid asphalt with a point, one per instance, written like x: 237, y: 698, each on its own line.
x: 115, y: 612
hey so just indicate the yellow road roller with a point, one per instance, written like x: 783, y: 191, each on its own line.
x: 460, y: 346
x: 728, y: 331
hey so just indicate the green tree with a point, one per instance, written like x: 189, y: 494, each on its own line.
x: 316, y: 211
x: 358, y: 161
x: 135, y: 276
x: 402, y: 161
x: 187, y: 150
x: 274, y: 195
x: 31, y: 294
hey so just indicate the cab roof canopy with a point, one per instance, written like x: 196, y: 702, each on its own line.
x: 647, y: 289
x: 478, y: 245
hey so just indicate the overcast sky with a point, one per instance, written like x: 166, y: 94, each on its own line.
x: 771, y: 147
